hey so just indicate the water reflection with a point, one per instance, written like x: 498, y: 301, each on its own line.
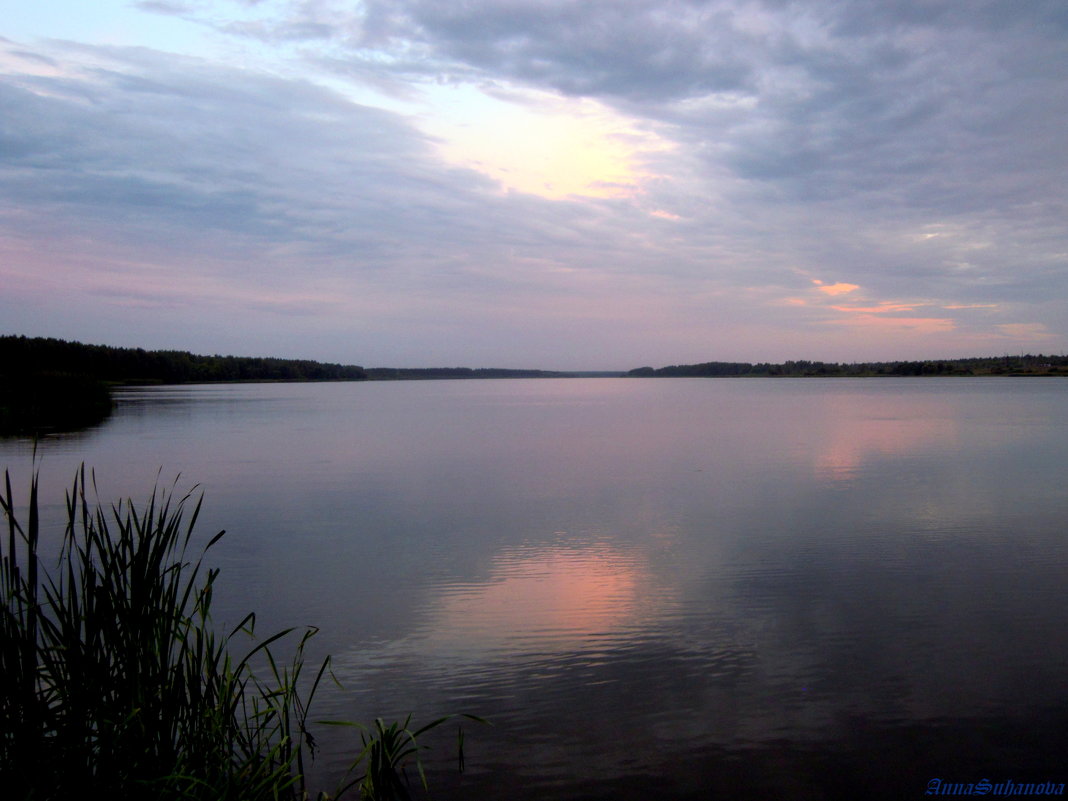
x: 535, y: 600
x: 859, y: 428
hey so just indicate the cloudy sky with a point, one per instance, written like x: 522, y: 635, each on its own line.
x: 572, y: 184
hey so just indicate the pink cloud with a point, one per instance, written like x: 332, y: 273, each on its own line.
x: 1024, y: 331
x: 917, y: 325
x: 881, y: 308
x: 840, y: 288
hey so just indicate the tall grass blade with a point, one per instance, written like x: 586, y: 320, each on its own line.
x: 116, y: 684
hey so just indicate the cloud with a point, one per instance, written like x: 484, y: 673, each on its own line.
x: 886, y: 307
x: 164, y: 7
x: 840, y: 288
x: 875, y: 117
x: 897, y: 325
x: 665, y: 176
x: 157, y: 180
x: 1028, y: 332
x: 147, y: 144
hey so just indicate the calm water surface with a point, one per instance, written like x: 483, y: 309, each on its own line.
x: 666, y: 588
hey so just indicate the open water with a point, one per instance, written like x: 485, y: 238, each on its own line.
x: 653, y: 588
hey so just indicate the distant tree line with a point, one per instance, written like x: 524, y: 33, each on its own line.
x: 49, y: 385
x: 21, y: 357
x: 416, y: 373
x: 1028, y: 364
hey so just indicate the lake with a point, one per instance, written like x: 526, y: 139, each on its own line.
x: 653, y: 588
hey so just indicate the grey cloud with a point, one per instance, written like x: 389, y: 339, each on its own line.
x: 932, y: 107
x: 834, y: 98
x: 628, y: 49
x: 205, y: 147
x: 177, y: 157
x: 28, y: 55
x: 164, y: 7
x: 280, y: 33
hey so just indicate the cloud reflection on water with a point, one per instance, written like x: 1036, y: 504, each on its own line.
x: 860, y: 427
x: 544, y: 598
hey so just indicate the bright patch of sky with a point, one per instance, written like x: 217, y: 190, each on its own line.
x: 546, y: 145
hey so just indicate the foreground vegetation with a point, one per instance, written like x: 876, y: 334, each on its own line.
x: 1024, y: 365
x: 116, y: 684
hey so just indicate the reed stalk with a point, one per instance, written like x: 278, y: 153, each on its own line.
x: 116, y: 684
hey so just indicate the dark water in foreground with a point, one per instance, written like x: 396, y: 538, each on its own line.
x: 666, y: 588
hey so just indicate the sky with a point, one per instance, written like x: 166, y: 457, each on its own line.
x: 555, y: 184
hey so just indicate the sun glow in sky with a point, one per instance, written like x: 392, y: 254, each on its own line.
x: 550, y: 147
x: 594, y: 185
